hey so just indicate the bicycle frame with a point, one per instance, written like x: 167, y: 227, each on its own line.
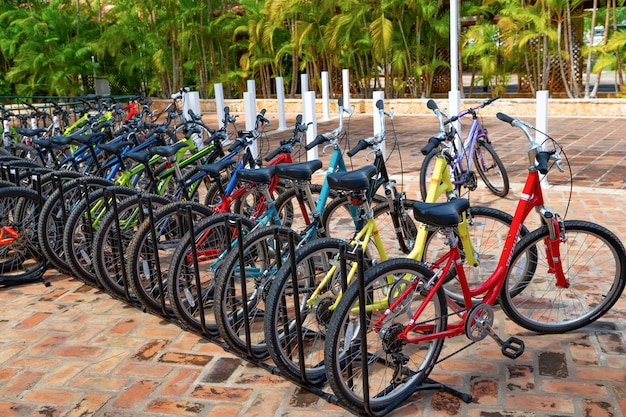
x: 531, y: 198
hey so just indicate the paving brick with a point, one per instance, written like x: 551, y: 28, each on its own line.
x: 550, y: 404
x: 216, y: 392
x: 52, y: 397
x: 150, y: 350
x: 184, y: 359
x: 89, y: 405
x: 180, y: 382
x: 136, y: 394
x: 173, y: 407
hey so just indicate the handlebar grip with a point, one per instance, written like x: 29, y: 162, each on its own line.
x: 433, y: 142
x: 363, y: 144
x: 542, y: 161
x: 274, y: 153
x: 237, y: 143
x: 505, y: 118
x: 319, y: 139
x: 432, y: 105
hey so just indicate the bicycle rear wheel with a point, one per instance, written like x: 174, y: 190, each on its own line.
x: 594, y: 263
x: 395, y: 367
x: 491, y: 169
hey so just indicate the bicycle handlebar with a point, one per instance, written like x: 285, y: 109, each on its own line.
x: 542, y: 157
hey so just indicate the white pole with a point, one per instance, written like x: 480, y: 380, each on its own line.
x: 249, y: 105
x: 304, y: 88
x: 325, y: 97
x: 345, y: 75
x: 378, y: 95
x: 309, y: 117
x: 192, y: 102
x: 541, y: 124
x: 219, y: 104
x: 280, y: 97
x: 454, y: 95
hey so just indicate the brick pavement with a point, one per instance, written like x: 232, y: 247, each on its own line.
x: 71, y: 350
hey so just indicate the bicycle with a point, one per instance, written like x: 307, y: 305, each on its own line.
x: 399, y: 317
x: 476, y: 151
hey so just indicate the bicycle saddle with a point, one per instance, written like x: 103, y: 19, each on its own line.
x: 441, y: 214
x: 215, y: 169
x: 30, y: 132
x: 44, y: 143
x: 87, y: 139
x: 168, y: 150
x: 356, y: 180
x: 301, y: 171
x: 256, y: 176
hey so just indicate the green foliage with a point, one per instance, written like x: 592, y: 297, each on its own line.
x: 46, y: 47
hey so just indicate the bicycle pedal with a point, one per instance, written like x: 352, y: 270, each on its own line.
x: 513, y: 347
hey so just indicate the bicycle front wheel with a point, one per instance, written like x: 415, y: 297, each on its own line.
x: 491, y: 169
x: 260, y: 264
x: 395, y: 366
x: 593, y: 261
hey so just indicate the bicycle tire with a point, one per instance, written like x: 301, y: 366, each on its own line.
x: 259, y: 254
x: 496, y: 167
x: 21, y: 260
x: 312, y: 261
x: 213, y: 194
x: 488, y: 230
x: 411, y: 363
x: 594, y: 262
x: 81, y: 226
x: 338, y: 223
x: 213, y: 241
x: 108, y: 257
x: 170, y: 225
x: 51, y: 222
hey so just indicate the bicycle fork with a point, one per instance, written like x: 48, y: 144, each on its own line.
x: 552, y: 245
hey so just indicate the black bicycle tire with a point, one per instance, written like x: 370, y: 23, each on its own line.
x: 503, y: 173
x: 225, y: 300
x: 275, y: 319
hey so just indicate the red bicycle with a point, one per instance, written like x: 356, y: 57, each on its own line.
x: 386, y: 335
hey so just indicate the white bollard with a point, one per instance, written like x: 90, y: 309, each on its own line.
x: 308, y: 116
x: 191, y: 101
x: 378, y: 95
x: 325, y: 97
x: 219, y: 104
x: 345, y: 76
x: 280, y: 98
